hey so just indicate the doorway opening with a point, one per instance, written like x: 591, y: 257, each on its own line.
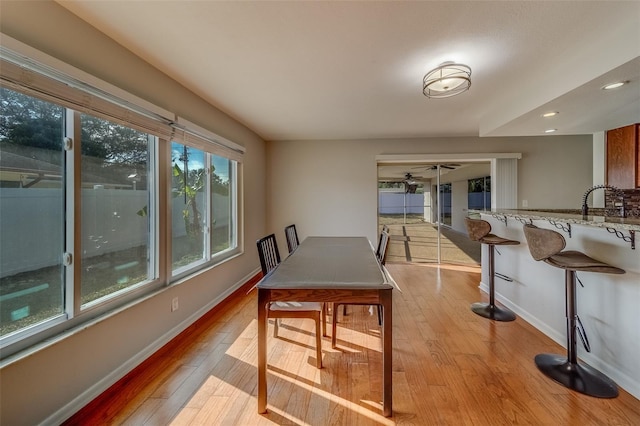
x: 424, y: 205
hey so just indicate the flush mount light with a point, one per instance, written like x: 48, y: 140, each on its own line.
x: 550, y: 114
x: 448, y: 79
x: 614, y: 85
x: 550, y: 130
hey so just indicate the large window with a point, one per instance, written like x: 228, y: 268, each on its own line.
x: 31, y: 211
x: 479, y: 193
x: 445, y: 203
x: 86, y: 185
x: 116, y: 242
x: 223, y: 209
x: 203, y: 207
x: 188, y: 202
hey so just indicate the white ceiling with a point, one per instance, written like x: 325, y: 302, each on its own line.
x: 353, y: 70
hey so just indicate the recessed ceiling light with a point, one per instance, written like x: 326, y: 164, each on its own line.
x: 550, y: 130
x: 614, y: 85
x: 550, y: 114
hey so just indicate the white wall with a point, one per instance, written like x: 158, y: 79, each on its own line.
x: 459, y: 205
x: 64, y: 374
x: 554, y: 172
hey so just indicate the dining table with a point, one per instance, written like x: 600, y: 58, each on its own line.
x: 328, y: 269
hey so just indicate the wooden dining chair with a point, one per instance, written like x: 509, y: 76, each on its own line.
x: 381, y: 255
x: 269, y: 260
x: 292, y: 238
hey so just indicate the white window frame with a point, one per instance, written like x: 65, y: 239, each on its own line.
x: 111, y: 102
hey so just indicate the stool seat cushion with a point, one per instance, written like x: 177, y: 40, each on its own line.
x: 543, y: 243
x: 497, y: 241
x: 477, y: 228
x: 547, y: 245
x: 578, y: 261
x: 480, y: 230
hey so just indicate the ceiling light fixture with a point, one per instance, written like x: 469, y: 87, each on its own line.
x: 448, y: 79
x: 550, y: 130
x: 614, y: 85
x: 550, y: 114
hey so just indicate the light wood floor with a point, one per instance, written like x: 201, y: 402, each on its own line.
x: 450, y: 367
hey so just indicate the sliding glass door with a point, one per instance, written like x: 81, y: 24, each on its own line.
x: 426, y: 219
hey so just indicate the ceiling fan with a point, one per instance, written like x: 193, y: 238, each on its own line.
x: 410, y: 185
x: 409, y: 179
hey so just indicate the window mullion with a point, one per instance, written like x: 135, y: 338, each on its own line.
x: 164, y: 214
x: 73, y: 263
x: 208, y: 221
x: 152, y: 182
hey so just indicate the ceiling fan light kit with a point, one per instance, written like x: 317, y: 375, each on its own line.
x: 448, y: 79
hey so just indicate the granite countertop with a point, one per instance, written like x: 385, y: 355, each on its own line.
x: 568, y: 216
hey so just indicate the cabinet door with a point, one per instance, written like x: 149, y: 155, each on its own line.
x: 622, y: 157
x: 637, y: 126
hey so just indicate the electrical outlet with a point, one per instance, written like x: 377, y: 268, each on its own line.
x: 174, y: 304
x: 525, y: 203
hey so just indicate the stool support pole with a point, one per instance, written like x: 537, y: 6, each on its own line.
x: 566, y: 370
x: 491, y: 310
x: 492, y: 275
x: 571, y: 313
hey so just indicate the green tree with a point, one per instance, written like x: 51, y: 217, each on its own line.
x: 27, y: 121
x: 189, y: 184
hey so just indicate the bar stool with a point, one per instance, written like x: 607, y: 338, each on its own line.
x: 480, y: 230
x: 547, y: 245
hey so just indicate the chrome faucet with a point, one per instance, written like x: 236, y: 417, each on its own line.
x: 616, y: 191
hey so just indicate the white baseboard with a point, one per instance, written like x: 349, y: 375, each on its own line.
x: 106, y: 382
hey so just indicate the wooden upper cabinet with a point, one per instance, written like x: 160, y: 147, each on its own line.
x: 623, y: 157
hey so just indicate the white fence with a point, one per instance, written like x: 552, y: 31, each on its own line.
x: 395, y: 202
x: 32, y: 224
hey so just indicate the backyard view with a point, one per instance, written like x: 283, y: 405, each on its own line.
x: 415, y: 235
x: 116, y: 199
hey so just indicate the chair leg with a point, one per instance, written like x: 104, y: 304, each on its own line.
x: 491, y: 310
x: 275, y: 327
x: 566, y: 370
x: 379, y: 315
x: 334, y: 324
x: 318, y: 342
x: 324, y: 320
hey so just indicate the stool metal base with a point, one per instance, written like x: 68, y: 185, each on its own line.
x: 579, y: 377
x: 493, y: 312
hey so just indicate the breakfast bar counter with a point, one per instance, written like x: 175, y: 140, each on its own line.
x: 567, y: 216
x: 609, y: 304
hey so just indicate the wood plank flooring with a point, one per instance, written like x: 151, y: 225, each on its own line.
x: 450, y: 367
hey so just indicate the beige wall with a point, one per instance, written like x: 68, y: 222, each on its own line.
x: 329, y: 187
x: 53, y: 382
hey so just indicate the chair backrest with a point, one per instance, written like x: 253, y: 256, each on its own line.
x: 477, y: 228
x: 292, y: 237
x: 268, y: 252
x: 381, y: 251
x: 543, y: 243
x: 385, y: 228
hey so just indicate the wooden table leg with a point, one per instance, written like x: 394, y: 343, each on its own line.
x: 263, y: 300
x: 387, y: 351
